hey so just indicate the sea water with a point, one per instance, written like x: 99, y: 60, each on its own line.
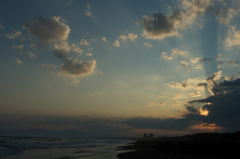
x: 58, y: 148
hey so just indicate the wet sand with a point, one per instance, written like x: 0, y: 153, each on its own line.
x: 188, y: 147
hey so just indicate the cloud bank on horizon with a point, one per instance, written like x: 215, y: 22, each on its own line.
x: 170, y: 69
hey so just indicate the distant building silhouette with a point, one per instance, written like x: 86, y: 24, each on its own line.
x: 146, y: 136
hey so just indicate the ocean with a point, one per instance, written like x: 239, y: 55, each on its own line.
x: 59, y: 148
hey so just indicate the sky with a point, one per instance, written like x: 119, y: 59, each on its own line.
x: 119, y: 67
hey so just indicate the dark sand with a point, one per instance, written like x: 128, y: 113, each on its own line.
x: 199, y: 146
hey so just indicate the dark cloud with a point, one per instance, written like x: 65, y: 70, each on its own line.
x: 159, y: 26
x: 157, y: 123
x: 233, y: 62
x: 221, y: 109
x: 78, y: 68
x: 49, y: 30
x: 191, y: 109
x: 198, y: 60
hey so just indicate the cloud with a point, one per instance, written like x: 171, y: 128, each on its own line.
x: 178, y: 95
x: 147, y: 44
x: 88, y: 12
x: 77, y: 68
x: 195, y: 94
x: 198, y: 60
x: 49, y: 30
x: 137, y: 22
x: 116, y: 43
x: 161, y: 95
x: 176, y: 52
x: 84, y: 42
x: 130, y: 36
x: 198, y: 67
x: 193, y: 83
x: 104, y: 39
x: 154, y: 104
x: 165, y: 55
x: 184, y: 63
x: 19, y: 47
x: 234, y: 62
x: 72, y: 68
x: 15, y: 34
x: 179, y: 85
x: 32, y: 55
x: 230, y: 12
x: 233, y: 37
x: 192, y: 109
x: 89, y: 54
x: 223, y: 105
x: 219, y: 59
x: 61, y: 51
x: 76, y: 49
x: 19, y: 62
x: 196, y: 8
x: 49, y: 66
x: 221, y: 110
x: 159, y: 26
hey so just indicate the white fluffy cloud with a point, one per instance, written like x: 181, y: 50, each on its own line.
x: 165, y: 55
x: 15, y: 34
x: 84, y: 42
x: 130, y: 36
x: 88, y: 12
x: 147, y: 44
x: 76, y: 49
x: 233, y: 37
x: 49, y: 30
x: 116, y: 43
x: 176, y: 52
x: 184, y: 63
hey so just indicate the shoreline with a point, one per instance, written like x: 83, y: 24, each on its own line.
x: 188, y: 147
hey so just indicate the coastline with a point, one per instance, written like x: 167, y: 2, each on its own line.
x: 211, y: 146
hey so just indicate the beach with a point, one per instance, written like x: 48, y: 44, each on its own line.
x: 59, y: 148
x: 187, y: 147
